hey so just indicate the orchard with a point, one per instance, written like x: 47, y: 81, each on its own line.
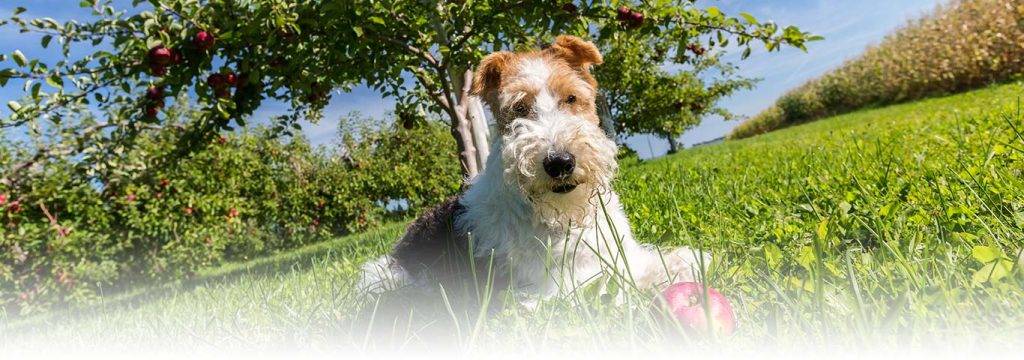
x: 230, y: 57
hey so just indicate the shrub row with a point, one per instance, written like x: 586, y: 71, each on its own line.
x: 67, y: 235
x: 963, y: 45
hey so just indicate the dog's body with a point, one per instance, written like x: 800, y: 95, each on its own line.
x: 542, y: 217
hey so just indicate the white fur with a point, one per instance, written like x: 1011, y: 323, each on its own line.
x: 383, y: 274
x: 536, y: 71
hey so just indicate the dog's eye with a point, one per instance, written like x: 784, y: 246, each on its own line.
x: 519, y: 110
x: 571, y: 99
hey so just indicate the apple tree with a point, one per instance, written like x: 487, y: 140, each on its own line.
x: 644, y: 97
x: 230, y: 56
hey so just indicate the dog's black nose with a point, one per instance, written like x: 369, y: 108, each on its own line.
x: 559, y: 165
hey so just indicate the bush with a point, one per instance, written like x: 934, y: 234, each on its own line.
x: 67, y: 233
x: 961, y: 46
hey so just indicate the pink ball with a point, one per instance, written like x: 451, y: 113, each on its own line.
x: 685, y: 301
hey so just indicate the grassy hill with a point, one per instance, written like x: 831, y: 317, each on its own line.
x: 900, y: 225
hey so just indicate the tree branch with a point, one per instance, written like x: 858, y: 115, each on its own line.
x: 404, y: 45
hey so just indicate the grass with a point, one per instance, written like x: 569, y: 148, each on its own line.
x: 899, y: 226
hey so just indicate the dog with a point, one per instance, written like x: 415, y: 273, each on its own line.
x: 542, y: 218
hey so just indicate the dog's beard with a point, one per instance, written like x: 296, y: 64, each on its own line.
x: 527, y: 142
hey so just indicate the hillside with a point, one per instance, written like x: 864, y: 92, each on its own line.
x: 864, y: 227
x: 962, y: 45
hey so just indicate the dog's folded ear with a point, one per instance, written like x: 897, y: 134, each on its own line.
x: 488, y: 75
x: 577, y: 52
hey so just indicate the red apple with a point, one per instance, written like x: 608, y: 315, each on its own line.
x: 157, y: 70
x: 217, y: 81
x: 231, y: 79
x: 155, y: 93
x: 569, y: 8
x: 3, y: 199
x: 176, y: 57
x: 636, y: 18
x: 222, y: 93
x: 14, y: 207
x: 159, y: 55
x: 686, y: 302
x: 152, y: 111
x: 695, y: 49
x: 623, y: 13
x: 203, y: 41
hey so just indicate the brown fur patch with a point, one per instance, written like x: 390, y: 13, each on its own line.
x: 488, y: 76
x: 578, y: 54
x: 566, y: 84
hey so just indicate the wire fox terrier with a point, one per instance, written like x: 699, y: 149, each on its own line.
x: 542, y: 218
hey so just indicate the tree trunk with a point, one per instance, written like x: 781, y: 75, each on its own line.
x: 462, y: 130
x: 481, y: 131
x: 673, y: 144
x: 469, y: 126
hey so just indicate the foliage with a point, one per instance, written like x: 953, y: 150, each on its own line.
x: 963, y: 45
x: 644, y: 98
x: 69, y: 233
x: 235, y: 55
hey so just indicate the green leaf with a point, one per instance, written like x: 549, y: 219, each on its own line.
x: 714, y: 11
x: 772, y: 255
x: 45, y: 41
x: 992, y: 272
x: 55, y: 81
x: 822, y: 230
x: 5, y: 75
x: 377, y: 20
x: 749, y: 18
x: 14, y: 106
x: 985, y: 254
x: 806, y: 257
x: 19, y: 58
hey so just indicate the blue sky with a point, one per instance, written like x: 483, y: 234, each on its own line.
x: 848, y: 27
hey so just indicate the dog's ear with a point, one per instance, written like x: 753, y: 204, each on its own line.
x: 488, y: 75
x: 577, y: 52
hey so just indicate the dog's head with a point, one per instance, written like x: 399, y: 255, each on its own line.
x: 552, y: 144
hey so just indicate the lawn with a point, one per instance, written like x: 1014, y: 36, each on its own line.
x: 895, y: 226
